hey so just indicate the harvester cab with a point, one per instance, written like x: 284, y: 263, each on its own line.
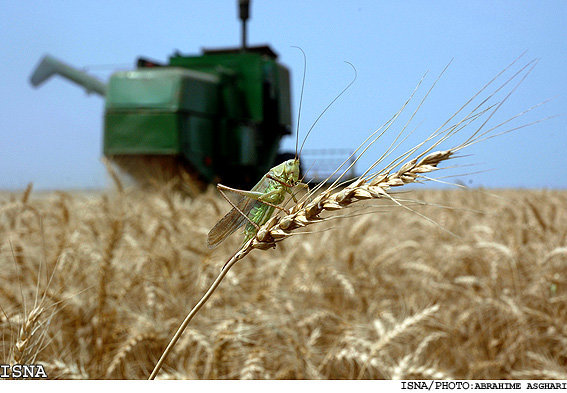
x: 215, y: 116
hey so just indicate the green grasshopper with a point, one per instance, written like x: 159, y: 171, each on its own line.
x: 257, y: 206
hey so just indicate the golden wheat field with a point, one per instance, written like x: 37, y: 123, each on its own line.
x: 94, y: 285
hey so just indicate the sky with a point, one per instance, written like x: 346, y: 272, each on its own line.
x: 52, y: 136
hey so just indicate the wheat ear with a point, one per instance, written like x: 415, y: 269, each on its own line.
x: 24, y: 343
x: 374, y: 187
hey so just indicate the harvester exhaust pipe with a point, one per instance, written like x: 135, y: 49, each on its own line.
x: 244, y: 7
x: 50, y: 66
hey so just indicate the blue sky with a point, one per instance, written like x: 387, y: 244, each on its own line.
x: 52, y: 136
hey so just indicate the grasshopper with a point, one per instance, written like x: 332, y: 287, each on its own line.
x: 256, y: 206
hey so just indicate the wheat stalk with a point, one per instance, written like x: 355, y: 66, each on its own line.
x: 308, y: 212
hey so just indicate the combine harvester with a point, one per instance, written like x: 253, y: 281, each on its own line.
x: 219, y: 116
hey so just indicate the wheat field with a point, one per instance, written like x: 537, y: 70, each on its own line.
x: 94, y: 285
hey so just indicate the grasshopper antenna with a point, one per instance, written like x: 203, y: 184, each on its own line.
x: 330, y: 104
x: 300, y: 98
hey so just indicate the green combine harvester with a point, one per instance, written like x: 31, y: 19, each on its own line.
x: 219, y: 116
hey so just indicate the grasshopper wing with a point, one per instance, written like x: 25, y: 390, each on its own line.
x: 234, y: 219
x: 226, y: 226
x: 230, y: 222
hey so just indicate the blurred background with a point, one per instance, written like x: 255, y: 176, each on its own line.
x: 52, y: 136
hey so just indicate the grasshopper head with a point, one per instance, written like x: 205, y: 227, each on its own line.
x: 288, y: 171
